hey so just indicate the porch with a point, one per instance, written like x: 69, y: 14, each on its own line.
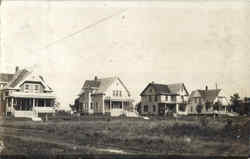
x: 171, y: 108
x: 27, y: 107
x: 117, y: 107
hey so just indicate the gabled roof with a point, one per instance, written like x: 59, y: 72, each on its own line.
x: 20, y: 77
x: 6, y: 77
x: 91, y: 84
x: 166, y: 88
x: 208, y: 95
x: 101, y: 85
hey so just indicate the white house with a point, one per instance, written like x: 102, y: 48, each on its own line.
x: 104, y: 96
x: 207, y: 98
x: 27, y: 95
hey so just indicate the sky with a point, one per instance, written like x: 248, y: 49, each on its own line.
x: 196, y: 43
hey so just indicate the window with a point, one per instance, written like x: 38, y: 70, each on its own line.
x: 156, y: 98
x: 154, y: 108
x: 6, y: 93
x: 26, y: 86
x: 91, y: 105
x: 36, y: 87
x: 191, y: 109
x: 166, y: 98
x: 120, y: 93
x: 173, y: 98
x: 113, y: 93
x: 182, y: 98
x: 116, y: 94
x: 150, y: 98
x: 145, y: 108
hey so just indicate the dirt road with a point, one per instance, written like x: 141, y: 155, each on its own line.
x: 41, y: 137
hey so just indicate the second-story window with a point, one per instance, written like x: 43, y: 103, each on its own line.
x: 120, y: 93
x: 182, y: 98
x: 26, y: 86
x: 166, y: 98
x: 156, y: 98
x: 113, y: 93
x: 150, y: 98
x: 36, y: 87
x: 173, y: 98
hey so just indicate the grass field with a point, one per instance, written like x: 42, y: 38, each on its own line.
x: 98, y: 135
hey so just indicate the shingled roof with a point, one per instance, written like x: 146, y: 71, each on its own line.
x: 208, y: 95
x: 19, y: 76
x: 101, y: 84
x: 166, y: 88
x: 6, y: 77
x: 22, y: 75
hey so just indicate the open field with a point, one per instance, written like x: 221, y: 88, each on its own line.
x: 105, y: 135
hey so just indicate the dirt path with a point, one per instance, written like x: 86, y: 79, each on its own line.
x: 20, y: 134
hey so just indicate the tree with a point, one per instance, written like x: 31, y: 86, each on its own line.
x: 235, y: 100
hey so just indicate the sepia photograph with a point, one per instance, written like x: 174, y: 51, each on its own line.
x: 125, y: 79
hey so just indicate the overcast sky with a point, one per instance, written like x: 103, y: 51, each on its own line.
x: 197, y: 43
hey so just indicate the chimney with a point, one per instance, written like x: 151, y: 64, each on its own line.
x: 96, y: 78
x: 17, y: 69
x: 206, y: 88
x: 152, y: 82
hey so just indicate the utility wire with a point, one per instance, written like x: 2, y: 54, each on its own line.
x: 81, y: 30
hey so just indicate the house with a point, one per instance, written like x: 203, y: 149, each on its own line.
x: 104, y: 96
x: 206, y: 99
x: 26, y: 94
x: 162, y: 99
x: 5, y: 78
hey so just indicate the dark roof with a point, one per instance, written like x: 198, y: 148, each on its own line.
x: 101, y: 84
x: 91, y: 83
x: 207, y: 95
x: 161, y: 88
x: 19, y: 76
x: 6, y: 77
x: 166, y: 88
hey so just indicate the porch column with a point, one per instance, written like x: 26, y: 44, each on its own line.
x: 34, y: 103
x: 44, y: 102
x: 177, y: 108
x: 103, y: 106
x: 12, y: 109
x: 110, y: 104
x: 122, y: 105
x: 12, y: 102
